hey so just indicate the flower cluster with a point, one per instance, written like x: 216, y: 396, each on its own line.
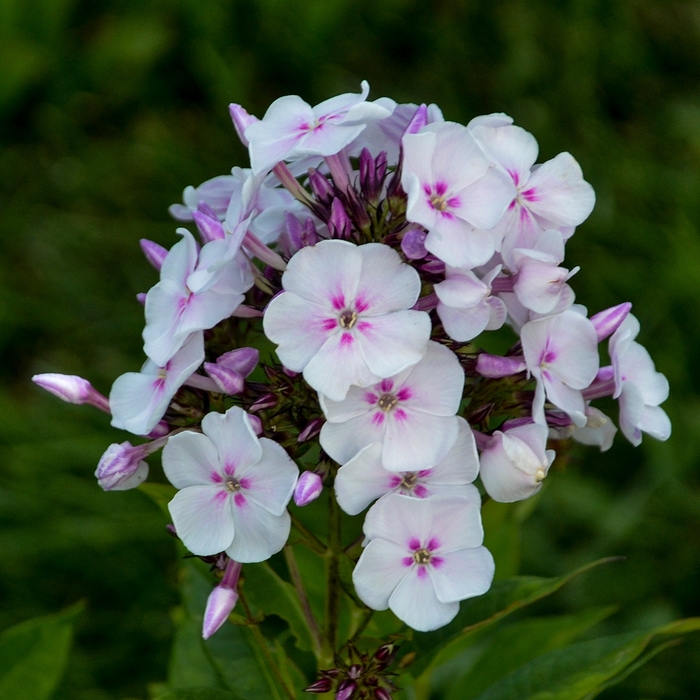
x: 372, y: 243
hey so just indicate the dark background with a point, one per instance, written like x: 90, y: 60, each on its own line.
x: 109, y: 108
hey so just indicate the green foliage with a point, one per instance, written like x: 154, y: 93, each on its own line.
x: 33, y: 655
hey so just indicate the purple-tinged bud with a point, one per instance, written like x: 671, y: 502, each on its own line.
x: 605, y: 373
x: 367, y: 171
x: 266, y: 401
x: 141, y: 298
x: 355, y: 671
x: 72, y: 389
x: 426, y: 303
x: 161, y: 430
x: 381, y: 165
x: 262, y: 252
x: 243, y: 311
x: 289, y: 372
x: 243, y: 360
x: 413, y: 244
x: 206, y: 209
x: 320, y: 186
x: 418, y: 121
x: 222, y: 600
x: 256, y: 424
x: 385, y: 654
x: 346, y: 690
x: 122, y: 467
x: 382, y: 694
x: 320, y: 686
x: 434, y: 267
x: 608, y: 321
x: 309, y: 234
x: 241, y: 121
x: 311, y: 430
x: 210, y: 228
x: 339, y: 224
x: 155, y: 254
x: 308, y: 488
x: 494, y: 367
x: 228, y: 380
x: 170, y: 529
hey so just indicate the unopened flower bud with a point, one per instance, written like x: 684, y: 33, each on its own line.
x: 72, y: 389
x: 322, y: 189
x: 141, y: 298
x: 243, y: 360
x: 320, y: 686
x: 228, y: 380
x: 311, y: 430
x: 339, y: 223
x: 161, y: 430
x: 608, y: 321
x: 418, y: 120
x: 382, y: 694
x: 155, y: 254
x: 122, y: 467
x: 346, y: 690
x: 266, y: 401
x: 434, y: 267
x: 385, y: 654
x: 210, y: 228
x: 308, y: 488
x: 494, y: 366
x: 222, y: 600
x: 241, y: 121
x: 413, y: 244
x: 255, y: 424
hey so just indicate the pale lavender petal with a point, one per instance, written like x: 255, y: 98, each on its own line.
x: 190, y: 459
x: 203, y: 519
x: 513, y: 148
x: 459, y: 244
x: 162, y: 335
x: 564, y: 397
x: 415, y: 602
x: 378, y: 572
x: 259, y: 534
x: 463, y: 574
x: 180, y: 260
x: 461, y: 289
x: 137, y: 402
x: 484, y: 202
x: 655, y: 422
x: 637, y: 366
x: 464, y: 324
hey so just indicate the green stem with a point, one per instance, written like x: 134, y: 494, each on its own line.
x: 303, y: 599
x: 265, y: 649
x: 309, y: 538
x: 333, y: 574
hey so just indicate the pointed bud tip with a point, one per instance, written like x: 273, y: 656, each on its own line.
x: 308, y: 488
x: 221, y: 602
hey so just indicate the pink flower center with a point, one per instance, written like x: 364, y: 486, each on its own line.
x: 347, y: 319
x: 422, y: 556
x: 387, y: 402
x: 232, y: 485
x: 409, y: 481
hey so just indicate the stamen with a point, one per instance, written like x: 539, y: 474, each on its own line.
x: 438, y: 202
x: 409, y: 480
x: 386, y: 402
x: 347, y: 319
x: 422, y: 556
x: 232, y: 484
x: 162, y: 373
x: 540, y: 474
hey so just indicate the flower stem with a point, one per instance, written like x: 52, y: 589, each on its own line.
x: 310, y: 540
x: 333, y: 572
x: 303, y: 599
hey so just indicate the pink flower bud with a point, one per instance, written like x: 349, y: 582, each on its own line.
x: 339, y: 223
x: 255, y: 424
x: 72, y: 389
x: 494, y: 366
x: 155, y: 254
x: 346, y: 690
x: 266, y: 401
x: 141, y: 298
x: 210, y: 228
x: 608, y: 321
x: 161, y: 430
x: 308, y: 488
x: 418, y: 121
x: 385, y: 653
x: 241, y: 121
x: 321, y: 187
x: 122, y: 467
x: 320, y: 686
x: 382, y: 694
x: 222, y: 600
x: 434, y: 267
x: 311, y: 430
x: 228, y: 380
x: 243, y: 360
x: 413, y: 244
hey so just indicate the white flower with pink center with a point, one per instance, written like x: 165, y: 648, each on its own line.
x: 345, y: 316
x: 363, y: 479
x: 561, y: 353
x: 292, y: 128
x: 138, y: 400
x: 411, y: 414
x: 234, y: 488
x: 455, y: 192
x: 424, y: 556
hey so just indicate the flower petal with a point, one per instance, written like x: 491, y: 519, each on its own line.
x: 377, y: 573
x: 270, y: 482
x: 462, y: 574
x: 362, y: 480
x: 259, y: 534
x: 190, y: 459
x: 235, y: 441
x: 415, y: 602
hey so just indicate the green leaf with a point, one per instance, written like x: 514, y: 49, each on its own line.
x: 230, y: 660
x: 33, y: 655
x: 265, y: 590
x: 197, y: 694
x: 160, y: 494
x: 504, y: 598
x: 582, y: 670
x: 513, y: 646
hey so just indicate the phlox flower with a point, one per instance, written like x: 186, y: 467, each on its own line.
x: 173, y: 310
x: 363, y: 479
x: 344, y: 317
x: 561, y: 353
x: 292, y: 129
x: 138, y: 400
x: 553, y: 195
x: 515, y: 463
x: 455, y: 192
x: 424, y: 556
x: 638, y: 386
x: 215, y: 193
x: 412, y: 414
x: 234, y: 488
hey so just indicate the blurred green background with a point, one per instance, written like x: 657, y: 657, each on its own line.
x: 109, y: 108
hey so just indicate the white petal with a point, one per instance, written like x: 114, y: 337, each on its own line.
x: 259, y: 534
x: 362, y: 480
x: 137, y: 402
x: 656, y: 423
x: 414, y: 601
x: 461, y: 465
x: 456, y: 523
x: 342, y: 441
x: 203, y: 519
x: 459, y: 244
x: 464, y: 324
x: 234, y: 439
x: 270, y: 482
x: 463, y: 574
x: 378, y: 571
x: 400, y: 520
x: 190, y: 459
x: 357, y: 402
x: 511, y: 147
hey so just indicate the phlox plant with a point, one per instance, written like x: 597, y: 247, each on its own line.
x: 314, y: 336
